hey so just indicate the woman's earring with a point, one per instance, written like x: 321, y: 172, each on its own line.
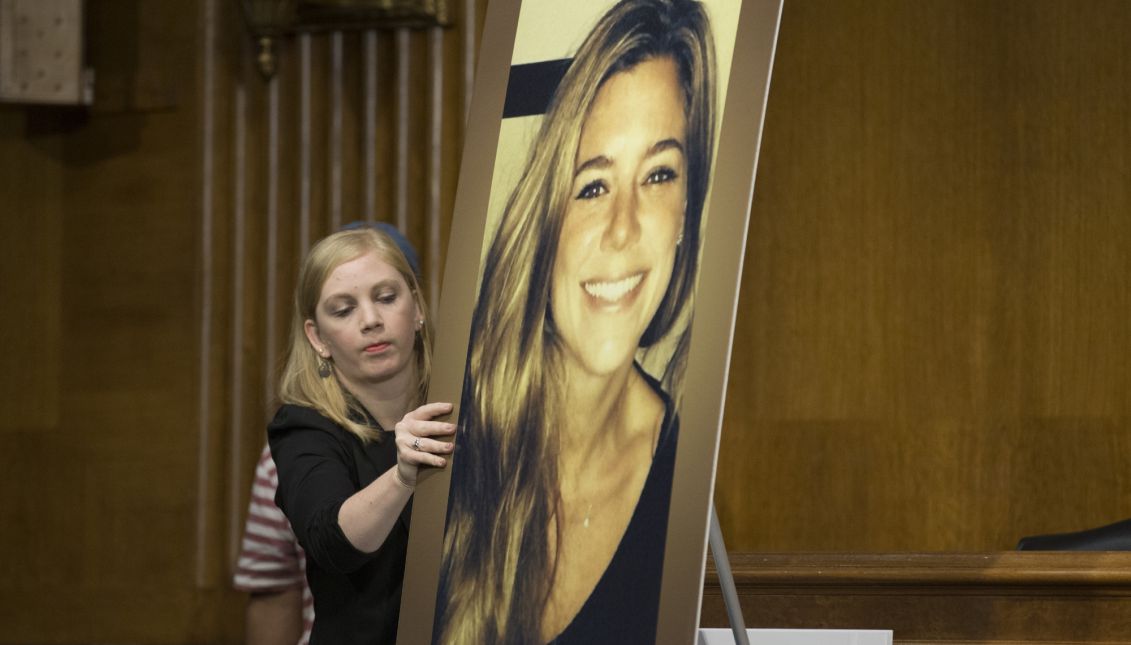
x: 419, y: 324
x: 324, y: 367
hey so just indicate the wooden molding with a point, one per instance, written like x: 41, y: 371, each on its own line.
x: 1001, y: 597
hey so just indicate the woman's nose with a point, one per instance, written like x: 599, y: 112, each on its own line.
x: 370, y: 316
x: 624, y: 222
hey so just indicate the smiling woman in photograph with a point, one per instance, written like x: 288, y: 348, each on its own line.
x: 560, y: 490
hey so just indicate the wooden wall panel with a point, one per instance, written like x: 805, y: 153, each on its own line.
x: 99, y: 505
x: 31, y: 181
x: 34, y: 508
x: 1005, y: 598
x: 932, y: 348
x: 351, y: 127
x: 337, y: 135
x: 157, y: 235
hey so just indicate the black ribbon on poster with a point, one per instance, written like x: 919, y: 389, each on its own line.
x: 531, y: 86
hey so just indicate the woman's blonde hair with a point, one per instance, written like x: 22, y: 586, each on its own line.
x: 496, y: 569
x: 300, y: 383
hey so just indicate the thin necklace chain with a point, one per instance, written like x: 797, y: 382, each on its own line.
x: 589, y: 507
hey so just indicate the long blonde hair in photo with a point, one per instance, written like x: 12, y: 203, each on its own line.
x: 496, y: 569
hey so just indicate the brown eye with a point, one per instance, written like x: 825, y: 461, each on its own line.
x: 592, y: 190
x: 661, y: 176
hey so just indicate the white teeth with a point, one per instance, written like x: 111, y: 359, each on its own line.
x: 613, y: 291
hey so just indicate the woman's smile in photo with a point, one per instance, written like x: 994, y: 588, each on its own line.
x: 621, y: 227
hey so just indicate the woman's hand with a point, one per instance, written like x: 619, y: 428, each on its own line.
x: 421, y: 441
x: 369, y: 514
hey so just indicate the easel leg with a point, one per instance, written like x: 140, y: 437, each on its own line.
x: 726, y: 580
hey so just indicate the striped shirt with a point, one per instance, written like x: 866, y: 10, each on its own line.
x: 270, y: 557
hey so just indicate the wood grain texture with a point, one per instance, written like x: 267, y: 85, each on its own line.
x: 354, y: 140
x: 932, y: 350
x: 31, y: 181
x: 935, y: 597
x: 99, y: 501
x: 160, y: 234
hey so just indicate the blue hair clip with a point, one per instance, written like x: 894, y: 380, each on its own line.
x: 393, y: 232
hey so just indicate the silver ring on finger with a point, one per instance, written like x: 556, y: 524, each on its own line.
x: 416, y: 444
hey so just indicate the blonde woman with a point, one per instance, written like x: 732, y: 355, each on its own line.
x: 559, y: 499
x: 354, y: 433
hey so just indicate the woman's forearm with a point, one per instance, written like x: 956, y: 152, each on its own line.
x: 274, y: 617
x: 367, y: 517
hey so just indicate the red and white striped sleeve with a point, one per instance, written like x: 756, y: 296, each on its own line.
x: 270, y: 558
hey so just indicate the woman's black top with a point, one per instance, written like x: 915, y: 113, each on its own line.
x: 357, y: 595
x: 625, y: 604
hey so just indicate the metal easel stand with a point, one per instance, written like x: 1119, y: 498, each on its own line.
x: 726, y: 580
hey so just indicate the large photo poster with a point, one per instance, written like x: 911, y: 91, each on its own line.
x: 575, y: 276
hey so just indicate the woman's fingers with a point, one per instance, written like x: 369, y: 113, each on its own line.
x: 425, y: 452
x: 427, y: 459
x: 433, y: 446
x: 430, y: 410
x: 416, y: 449
x: 427, y: 428
x: 415, y: 443
x: 420, y: 421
